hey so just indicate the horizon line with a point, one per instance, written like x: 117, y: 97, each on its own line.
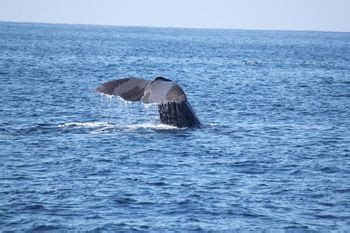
x: 175, y: 27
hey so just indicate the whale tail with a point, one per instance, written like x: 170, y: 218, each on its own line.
x: 179, y: 114
x: 173, y: 107
x: 130, y: 89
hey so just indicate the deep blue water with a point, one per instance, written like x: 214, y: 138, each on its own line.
x: 273, y: 151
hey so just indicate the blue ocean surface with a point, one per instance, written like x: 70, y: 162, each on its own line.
x: 273, y: 151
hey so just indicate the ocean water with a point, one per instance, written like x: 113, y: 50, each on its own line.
x: 273, y: 151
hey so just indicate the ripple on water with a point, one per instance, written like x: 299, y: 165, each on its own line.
x: 272, y: 152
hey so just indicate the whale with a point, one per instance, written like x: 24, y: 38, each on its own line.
x: 173, y: 106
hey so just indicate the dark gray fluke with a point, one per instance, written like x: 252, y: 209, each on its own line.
x: 173, y: 107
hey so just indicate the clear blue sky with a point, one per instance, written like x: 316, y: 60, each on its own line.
x: 320, y: 15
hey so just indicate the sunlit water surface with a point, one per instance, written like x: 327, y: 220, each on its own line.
x: 272, y: 152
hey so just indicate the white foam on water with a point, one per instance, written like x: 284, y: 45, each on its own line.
x: 135, y: 127
x: 105, y: 127
x: 151, y: 126
x: 85, y: 124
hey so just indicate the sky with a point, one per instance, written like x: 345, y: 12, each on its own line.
x: 315, y: 15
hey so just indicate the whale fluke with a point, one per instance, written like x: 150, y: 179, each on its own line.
x: 173, y: 107
x: 162, y: 90
x: 130, y: 89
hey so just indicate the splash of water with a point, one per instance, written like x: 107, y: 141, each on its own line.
x: 105, y: 127
x: 85, y: 124
x: 116, y: 108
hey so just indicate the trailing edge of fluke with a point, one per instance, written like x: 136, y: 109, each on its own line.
x: 173, y: 107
